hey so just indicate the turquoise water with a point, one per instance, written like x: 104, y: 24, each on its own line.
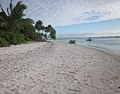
x: 112, y: 44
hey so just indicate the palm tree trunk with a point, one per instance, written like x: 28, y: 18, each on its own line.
x: 47, y: 37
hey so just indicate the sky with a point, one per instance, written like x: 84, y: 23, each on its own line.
x: 92, y: 29
x: 77, y: 14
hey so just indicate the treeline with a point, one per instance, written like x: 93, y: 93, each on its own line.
x: 14, y: 29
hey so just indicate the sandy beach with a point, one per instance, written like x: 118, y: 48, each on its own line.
x: 58, y: 68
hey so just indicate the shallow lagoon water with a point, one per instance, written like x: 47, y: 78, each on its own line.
x: 112, y: 44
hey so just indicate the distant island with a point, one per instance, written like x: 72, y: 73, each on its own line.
x: 88, y: 37
x: 110, y: 37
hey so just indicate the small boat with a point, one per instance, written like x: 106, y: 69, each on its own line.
x: 89, y: 39
x: 72, y: 41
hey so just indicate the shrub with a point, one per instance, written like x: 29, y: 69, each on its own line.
x: 13, y: 37
x: 3, y: 42
x: 18, y: 38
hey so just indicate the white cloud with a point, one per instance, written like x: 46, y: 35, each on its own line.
x: 66, y: 12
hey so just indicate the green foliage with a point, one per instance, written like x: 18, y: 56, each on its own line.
x: 14, y: 29
x: 39, y: 25
x: 18, y: 38
x: 7, y: 36
x: 3, y: 42
x: 13, y: 37
x: 51, y: 32
x: 13, y: 18
x: 39, y: 36
x: 47, y: 32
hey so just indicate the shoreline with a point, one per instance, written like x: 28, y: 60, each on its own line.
x: 104, y: 50
x: 101, y: 49
x: 58, y: 68
x: 108, y: 44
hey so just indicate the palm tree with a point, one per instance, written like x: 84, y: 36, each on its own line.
x: 40, y: 27
x: 3, y: 19
x: 50, y: 32
x: 47, y: 32
x: 13, y: 19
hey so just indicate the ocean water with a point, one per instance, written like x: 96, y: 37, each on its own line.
x: 111, y: 44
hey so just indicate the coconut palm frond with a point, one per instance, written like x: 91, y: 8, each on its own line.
x: 8, y: 12
x: 18, y: 10
x: 3, y: 13
x: 25, y: 22
x: 10, y: 5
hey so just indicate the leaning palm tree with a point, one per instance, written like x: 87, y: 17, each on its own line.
x: 50, y: 32
x: 46, y: 32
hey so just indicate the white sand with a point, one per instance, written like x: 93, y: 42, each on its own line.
x: 58, y: 68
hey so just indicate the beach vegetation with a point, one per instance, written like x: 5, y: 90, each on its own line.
x: 46, y: 31
x: 3, y: 42
x: 16, y: 29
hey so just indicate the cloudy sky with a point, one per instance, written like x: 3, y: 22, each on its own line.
x: 69, y: 12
